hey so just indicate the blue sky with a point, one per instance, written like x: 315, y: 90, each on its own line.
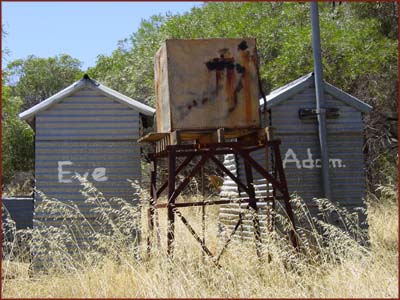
x: 80, y: 29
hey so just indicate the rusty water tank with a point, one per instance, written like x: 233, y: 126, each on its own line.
x: 207, y: 84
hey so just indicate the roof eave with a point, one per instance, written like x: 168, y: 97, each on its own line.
x: 275, y: 99
x: 347, y: 98
x: 308, y: 80
x: 31, y: 112
x: 142, y: 108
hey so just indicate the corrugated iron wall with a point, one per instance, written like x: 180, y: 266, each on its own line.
x: 229, y: 213
x: 300, y: 154
x: 87, y: 115
x: 17, y: 214
x: 20, y: 210
x: 91, y: 135
x: 300, y: 148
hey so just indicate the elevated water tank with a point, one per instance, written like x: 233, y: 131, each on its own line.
x: 207, y: 84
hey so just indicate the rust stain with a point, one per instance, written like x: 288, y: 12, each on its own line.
x: 230, y: 90
x: 254, y: 57
x: 219, y: 65
x: 218, y: 79
x: 247, y: 85
x: 226, y: 71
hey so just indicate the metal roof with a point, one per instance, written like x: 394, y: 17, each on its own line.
x: 86, y: 81
x: 283, y: 93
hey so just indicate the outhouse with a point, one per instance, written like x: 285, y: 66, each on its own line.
x: 86, y: 130
x: 291, y: 111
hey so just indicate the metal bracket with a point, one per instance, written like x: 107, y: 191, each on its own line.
x: 311, y: 113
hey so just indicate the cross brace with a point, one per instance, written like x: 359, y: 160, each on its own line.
x: 206, y: 153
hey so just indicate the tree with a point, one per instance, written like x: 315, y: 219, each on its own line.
x: 4, y: 51
x: 17, y: 138
x: 129, y: 69
x: 113, y: 70
x: 386, y: 13
x: 35, y: 79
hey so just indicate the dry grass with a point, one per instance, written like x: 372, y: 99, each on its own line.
x: 20, y: 185
x: 343, y: 268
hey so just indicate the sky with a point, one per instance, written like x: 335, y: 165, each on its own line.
x: 80, y: 29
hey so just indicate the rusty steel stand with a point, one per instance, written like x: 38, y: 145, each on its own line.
x: 207, y: 152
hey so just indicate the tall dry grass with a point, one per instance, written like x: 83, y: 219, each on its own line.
x: 335, y: 264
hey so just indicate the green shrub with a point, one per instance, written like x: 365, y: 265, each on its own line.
x: 17, y: 138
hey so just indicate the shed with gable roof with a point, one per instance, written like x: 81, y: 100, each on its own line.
x: 292, y: 112
x: 88, y: 130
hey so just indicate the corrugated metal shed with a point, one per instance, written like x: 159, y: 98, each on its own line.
x: 300, y: 148
x: 89, y: 130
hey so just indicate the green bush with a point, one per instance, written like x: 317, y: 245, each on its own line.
x: 17, y: 138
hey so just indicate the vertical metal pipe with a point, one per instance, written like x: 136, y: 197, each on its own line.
x: 319, y: 91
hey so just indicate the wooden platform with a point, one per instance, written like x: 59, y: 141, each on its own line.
x: 220, y: 135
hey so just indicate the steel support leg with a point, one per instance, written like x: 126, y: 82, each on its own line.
x: 253, y: 206
x: 153, y: 200
x: 203, y: 208
x: 171, y: 200
x: 280, y: 184
x: 286, y: 196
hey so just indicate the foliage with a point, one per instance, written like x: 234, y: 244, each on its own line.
x: 130, y: 67
x: 35, y: 79
x: 385, y: 12
x: 5, y: 52
x: 112, y: 71
x: 17, y: 138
